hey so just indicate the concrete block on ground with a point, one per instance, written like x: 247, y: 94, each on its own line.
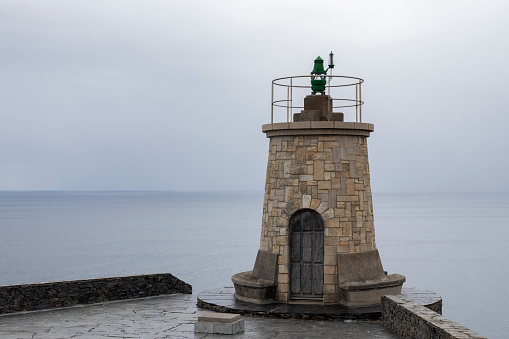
x: 219, y: 323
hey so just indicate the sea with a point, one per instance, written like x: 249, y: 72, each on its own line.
x: 453, y: 244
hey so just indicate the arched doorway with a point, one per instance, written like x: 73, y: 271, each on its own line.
x: 306, y: 255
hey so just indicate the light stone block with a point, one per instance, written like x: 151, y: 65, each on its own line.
x: 282, y: 278
x: 322, y: 207
x: 329, y: 269
x: 318, y: 170
x: 350, y: 187
x: 329, y: 167
x: 333, y: 222
x: 330, y: 260
x: 219, y: 323
x: 324, y: 185
x: 306, y: 177
x: 283, y: 296
x: 203, y: 327
x: 331, y: 144
x: 306, y: 201
x: 329, y: 288
x: 328, y: 214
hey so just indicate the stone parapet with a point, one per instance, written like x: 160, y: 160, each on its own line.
x: 28, y: 297
x: 409, y: 319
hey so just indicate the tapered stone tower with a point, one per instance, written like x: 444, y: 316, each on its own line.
x: 318, y: 238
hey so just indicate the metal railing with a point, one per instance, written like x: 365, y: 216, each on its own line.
x: 299, y: 86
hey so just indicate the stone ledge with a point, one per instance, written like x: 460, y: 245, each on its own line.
x: 316, y: 131
x: 318, y: 128
x: 318, y: 125
x: 409, y: 319
x: 387, y: 281
x: 247, y: 279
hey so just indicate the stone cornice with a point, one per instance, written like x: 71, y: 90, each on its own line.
x: 318, y: 128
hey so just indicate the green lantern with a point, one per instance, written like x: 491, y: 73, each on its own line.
x: 318, y: 80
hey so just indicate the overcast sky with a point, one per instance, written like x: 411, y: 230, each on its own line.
x: 171, y: 95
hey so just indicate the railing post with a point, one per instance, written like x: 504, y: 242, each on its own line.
x: 291, y: 99
x: 272, y: 105
x: 287, y: 105
x: 360, y: 106
x: 356, y: 102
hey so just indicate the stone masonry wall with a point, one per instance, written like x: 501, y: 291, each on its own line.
x: 411, y: 320
x: 17, y: 298
x: 326, y: 173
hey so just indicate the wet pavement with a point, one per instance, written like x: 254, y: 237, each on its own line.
x: 171, y: 316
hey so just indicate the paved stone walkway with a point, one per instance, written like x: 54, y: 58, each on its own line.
x: 171, y: 316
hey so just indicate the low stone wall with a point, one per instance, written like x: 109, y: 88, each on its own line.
x: 18, y: 298
x: 408, y: 319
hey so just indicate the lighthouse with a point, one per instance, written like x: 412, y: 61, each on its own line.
x: 317, y: 238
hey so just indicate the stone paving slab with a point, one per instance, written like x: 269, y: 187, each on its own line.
x: 171, y: 316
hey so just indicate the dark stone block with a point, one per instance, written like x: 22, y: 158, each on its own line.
x: 322, y: 103
x: 359, y: 266
x: 314, y: 115
x: 307, y: 115
x: 317, y: 108
x: 336, y: 117
x: 265, y: 266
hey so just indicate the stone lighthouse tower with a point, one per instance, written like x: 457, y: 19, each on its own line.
x: 317, y: 236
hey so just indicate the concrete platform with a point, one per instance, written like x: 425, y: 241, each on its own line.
x: 222, y: 300
x: 170, y: 316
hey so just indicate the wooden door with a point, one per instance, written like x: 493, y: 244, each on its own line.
x: 306, y: 255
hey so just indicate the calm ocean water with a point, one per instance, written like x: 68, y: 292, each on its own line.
x: 455, y: 245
